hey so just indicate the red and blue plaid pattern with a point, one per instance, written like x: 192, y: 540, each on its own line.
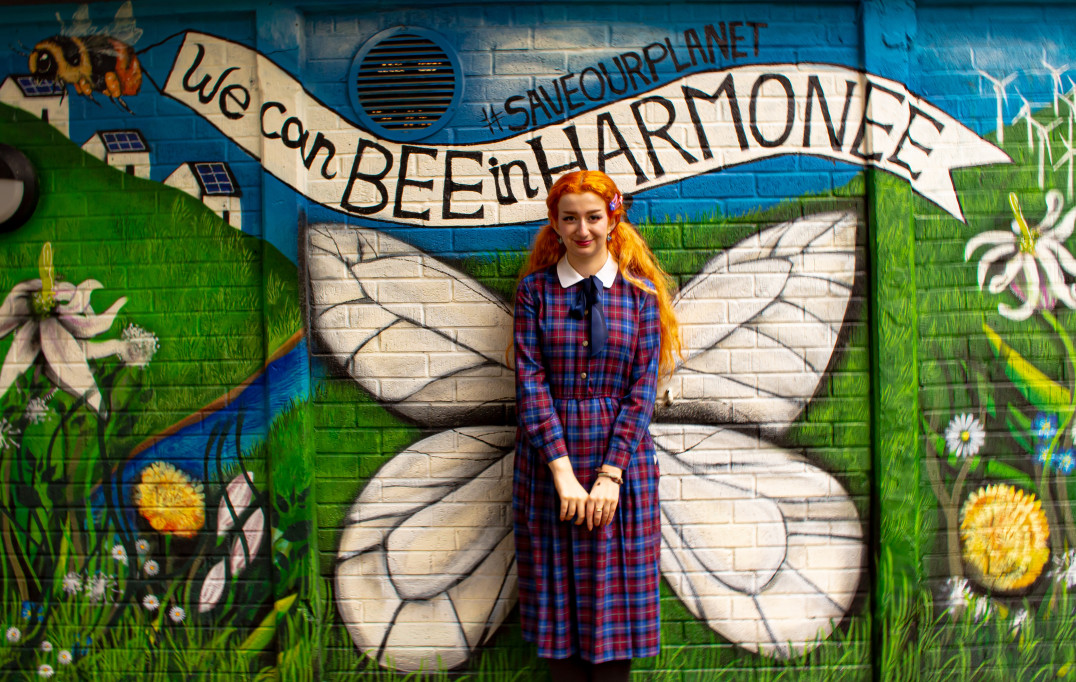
x: 587, y: 593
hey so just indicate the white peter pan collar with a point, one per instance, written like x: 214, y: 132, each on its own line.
x: 568, y: 276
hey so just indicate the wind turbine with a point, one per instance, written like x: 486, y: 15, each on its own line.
x: 1043, y: 132
x: 999, y: 94
x: 1069, y: 156
x: 1025, y: 113
x: 1055, y: 76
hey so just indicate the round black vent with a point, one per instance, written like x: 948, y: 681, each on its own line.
x: 406, y: 83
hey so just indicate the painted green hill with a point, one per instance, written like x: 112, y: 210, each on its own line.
x: 220, y: 302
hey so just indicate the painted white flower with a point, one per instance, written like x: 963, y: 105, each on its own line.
x: 151, y: 603
x: 45, y: 670
x: 964, y: 436
x: 13, y: 634
x: 54, y: 320
x: 72, y: 583
x: 983, y: 607
x: 1018, y: 620
x: 177, y: 614
x: 140, y: 345
x: 151, y: 568
x: 142, y: 546
x: 46, y: 646
x: 100, y: 587
x: 65, y: 657
x: 1065, y: 568
x: 119, y: 553
x: 956, y: 595
x: 8, y: 434
x: 37, y: 410
x: 1033, y: 253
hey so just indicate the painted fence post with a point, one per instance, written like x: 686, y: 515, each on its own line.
x: 888, y: 32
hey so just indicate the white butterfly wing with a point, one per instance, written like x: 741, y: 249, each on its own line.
x: 423, y: 338
x: 760, y: 323
x: 763, y: 546
x: 426, y: 566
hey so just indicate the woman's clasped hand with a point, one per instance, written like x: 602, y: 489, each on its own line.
x: 596, y: 507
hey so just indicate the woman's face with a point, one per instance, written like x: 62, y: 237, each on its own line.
x: 583, y: 225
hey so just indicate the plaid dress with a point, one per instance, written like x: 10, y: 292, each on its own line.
x: 587, y: 593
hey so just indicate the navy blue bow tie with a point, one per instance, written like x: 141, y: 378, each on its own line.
x: 588, y: 299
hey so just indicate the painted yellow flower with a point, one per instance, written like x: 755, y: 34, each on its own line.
x: 1004, y: 536
x: 170, y: 500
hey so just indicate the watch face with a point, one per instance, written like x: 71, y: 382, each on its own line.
x: 18, y: 188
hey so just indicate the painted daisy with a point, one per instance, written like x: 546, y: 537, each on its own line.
x: 46, y: 646
x: 150, y: 602
x: 65, y: 657
x: 142, y: 546
x: 964, y: 435
x: 119, y: 554
x: 177, y: 614
x: 13, y: 634
x: 45, y: 670
x: 151, y: 568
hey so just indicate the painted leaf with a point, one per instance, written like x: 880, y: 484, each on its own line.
x: 1043, y: 392
x: 239, y: 493
x: 212, y: 587
x: 764, y: 547
x: 426, y: 568
x: 263, y: 635
x: 253, y: 532
x: 760, y: 322
x: 423, y: 338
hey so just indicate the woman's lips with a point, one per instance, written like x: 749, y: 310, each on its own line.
x: 584, y: 243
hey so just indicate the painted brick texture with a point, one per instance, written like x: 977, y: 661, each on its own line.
x: 257, y: 398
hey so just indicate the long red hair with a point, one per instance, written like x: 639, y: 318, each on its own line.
x: 631, y: 252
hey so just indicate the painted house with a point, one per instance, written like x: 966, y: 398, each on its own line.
x: 213, y: 183
x: 126, y: 150
x: 43, y: 99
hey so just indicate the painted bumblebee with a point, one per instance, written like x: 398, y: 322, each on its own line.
x: 92, y: 59
x: 95, y: 63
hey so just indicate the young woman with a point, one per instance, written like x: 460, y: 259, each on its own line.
x: 594, y: 327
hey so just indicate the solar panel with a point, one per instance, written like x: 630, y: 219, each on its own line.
x: 32, y: 87
x: 124, y: 141
x: 215, y: 177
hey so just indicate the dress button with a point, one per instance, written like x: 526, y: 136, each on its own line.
x: 584, y: 375
x: 586, y: 343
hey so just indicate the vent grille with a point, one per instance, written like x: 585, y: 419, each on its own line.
x: 406, y: 83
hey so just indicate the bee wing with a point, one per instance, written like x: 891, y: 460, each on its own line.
x: 762, y: 545
x: 760, y: 322
x: 123, y: 25
x: 426, y: 567
x: 425, y: 339
x: 80, y: 22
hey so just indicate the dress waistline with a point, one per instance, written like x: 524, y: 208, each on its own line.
x: 586, y: 396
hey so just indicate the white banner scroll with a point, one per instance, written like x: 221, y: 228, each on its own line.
x: 696, y: 124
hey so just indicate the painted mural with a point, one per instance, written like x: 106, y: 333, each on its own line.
x: 256, y: 394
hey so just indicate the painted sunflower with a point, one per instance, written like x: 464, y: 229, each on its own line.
x: 170, y: 500
x: 1004, y: 537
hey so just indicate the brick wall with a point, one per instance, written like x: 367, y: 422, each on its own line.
x: 256, y: 414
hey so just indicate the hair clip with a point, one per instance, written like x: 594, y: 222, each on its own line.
x: 615, y: 203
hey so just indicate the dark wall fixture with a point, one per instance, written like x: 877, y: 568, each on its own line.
x: 18, y: 188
